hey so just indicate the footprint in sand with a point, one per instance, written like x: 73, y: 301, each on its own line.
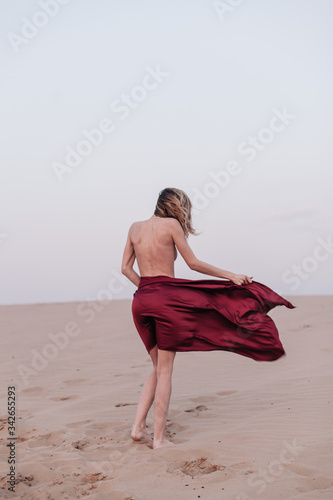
x: 197, y: 408
x: 89, y: 478
x: 81, y: 444
x: 173, y: 428
x: 197, y: 467
x: 26, y: 479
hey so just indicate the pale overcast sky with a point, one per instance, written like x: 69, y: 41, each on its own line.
x: 232, y: 104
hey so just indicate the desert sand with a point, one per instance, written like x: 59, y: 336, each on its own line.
x: 242, y: 429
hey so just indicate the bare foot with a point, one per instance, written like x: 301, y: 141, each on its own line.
x: 161, y: 444
x: 141, y: 436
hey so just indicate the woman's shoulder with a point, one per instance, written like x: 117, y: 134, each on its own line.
x: 135, y: 225
x: 165, y: 221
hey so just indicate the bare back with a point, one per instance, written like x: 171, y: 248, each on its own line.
x: 154, y: 243
x: 154, y: 246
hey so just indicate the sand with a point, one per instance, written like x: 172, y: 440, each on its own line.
x: 242, y: 429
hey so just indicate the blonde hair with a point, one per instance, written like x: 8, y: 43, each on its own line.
x: 176, y: 204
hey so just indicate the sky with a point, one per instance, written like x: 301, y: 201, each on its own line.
x: 105, y: 103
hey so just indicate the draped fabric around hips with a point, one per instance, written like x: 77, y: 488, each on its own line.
x: 204, y: 315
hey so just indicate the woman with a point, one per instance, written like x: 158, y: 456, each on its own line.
x: 173, y: 314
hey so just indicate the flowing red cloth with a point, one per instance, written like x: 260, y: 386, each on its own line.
x: 205, y: 315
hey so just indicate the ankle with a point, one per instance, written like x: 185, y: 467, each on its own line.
x: 141, y: 427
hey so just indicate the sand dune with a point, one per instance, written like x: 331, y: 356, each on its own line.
x: 242, y: 429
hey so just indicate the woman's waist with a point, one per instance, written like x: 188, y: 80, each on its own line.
x: 159, y: 278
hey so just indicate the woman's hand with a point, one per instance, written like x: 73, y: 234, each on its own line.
x: 241, y: 279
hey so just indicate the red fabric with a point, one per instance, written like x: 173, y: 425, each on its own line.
x: 205, y: 315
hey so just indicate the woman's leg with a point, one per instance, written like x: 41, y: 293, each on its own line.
x: 165, y: 361
x: 139, y: 432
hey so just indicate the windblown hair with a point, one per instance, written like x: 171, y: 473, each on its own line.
x: 176, y: 204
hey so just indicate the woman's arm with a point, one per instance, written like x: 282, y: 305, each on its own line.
x: 128, y: 261
x: 198, y: 265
